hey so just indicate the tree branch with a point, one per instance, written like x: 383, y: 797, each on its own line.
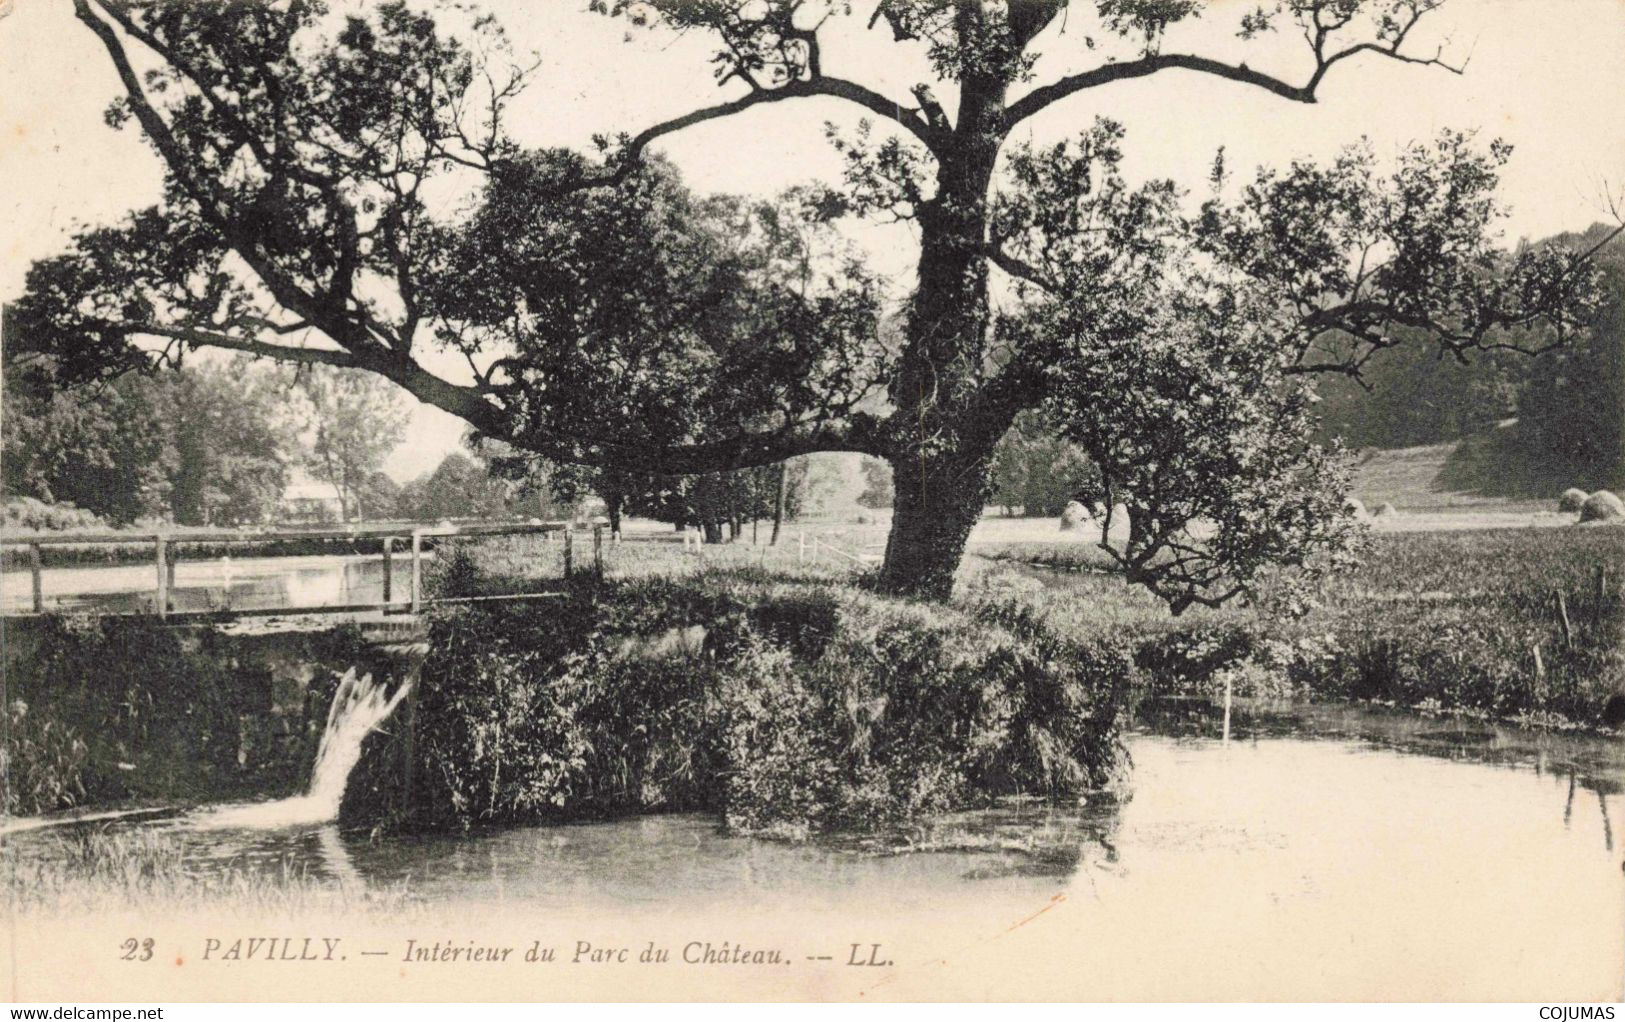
x: 839, y: 88
x: 1044, y: 96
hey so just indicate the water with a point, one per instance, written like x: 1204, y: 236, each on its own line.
x: 359, y: 705
x: 1321, y: 852
x: 216, y: 584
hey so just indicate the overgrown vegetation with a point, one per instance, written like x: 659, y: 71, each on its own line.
x: 103, y: 711
x: 786, y: 706
x: 1523, y: 624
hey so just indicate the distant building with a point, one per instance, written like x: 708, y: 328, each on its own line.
x: 308, y: 502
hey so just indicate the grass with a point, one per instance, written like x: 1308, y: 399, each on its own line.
x: 1465, y: 621
x: 101, y: 868
x: 1490, y: 473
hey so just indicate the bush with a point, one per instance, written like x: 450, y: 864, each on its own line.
x: 807, y: 708
x: 1572, y: 500
x: 1602, y: 506
x: 38, y: 516
x: 42, y: 763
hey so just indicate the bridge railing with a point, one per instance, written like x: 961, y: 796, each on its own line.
x: 412, y: 536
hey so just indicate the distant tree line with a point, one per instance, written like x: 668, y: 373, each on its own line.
x: 213, y: 444
x: 1568, y: 403
x: 1531, y: 424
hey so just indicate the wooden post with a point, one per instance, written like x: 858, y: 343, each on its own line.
x: 389, y: 548
x: 161, y: 599
x: 598, y: 551
x: 1563, y: 615
x: 417, y: 571
x: 569, y: 552
x: 39, y: 584
x: 1228, y: 684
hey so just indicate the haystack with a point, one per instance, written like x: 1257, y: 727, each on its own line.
x: 1571, y: 500
x: 1602, y: 506
x: 1073, y: 516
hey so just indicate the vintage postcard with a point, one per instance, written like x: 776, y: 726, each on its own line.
x: 812, y: 500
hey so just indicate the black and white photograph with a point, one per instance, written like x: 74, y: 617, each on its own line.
x: 812, y: 501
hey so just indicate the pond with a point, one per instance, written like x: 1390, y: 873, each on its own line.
x: 1321, y: 851
x: 216, y: 583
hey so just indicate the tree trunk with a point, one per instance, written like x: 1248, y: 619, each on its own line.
x: 614, y: 508
x: 713, y: 530
x: 937, y: 502
x: 778, y: 503
x: 942, y: 454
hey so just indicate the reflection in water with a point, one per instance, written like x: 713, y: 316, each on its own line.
x: 218, y: 584
x: 335, y: 858
x: 1321, y: 852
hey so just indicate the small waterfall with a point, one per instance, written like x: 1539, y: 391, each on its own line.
x: 358, y: 707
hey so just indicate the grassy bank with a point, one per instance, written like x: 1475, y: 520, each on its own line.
x: 1462, y: 621
x: 785, y: 705
x: 1513, y: 624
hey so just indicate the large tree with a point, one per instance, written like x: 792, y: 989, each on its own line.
x: 599, y: 306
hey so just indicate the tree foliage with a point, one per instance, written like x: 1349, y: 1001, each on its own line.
x: 1569, y: 408
x: 351, y: 423
x: 459, y: 487
x: 205, y: 446
x: 611, y: 319
x: 1036, y: 468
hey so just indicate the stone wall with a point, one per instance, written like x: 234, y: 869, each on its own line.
x: 116, y: 711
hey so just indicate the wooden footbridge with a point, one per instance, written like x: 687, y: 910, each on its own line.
x: 224, y: 562
x: 397, y: 605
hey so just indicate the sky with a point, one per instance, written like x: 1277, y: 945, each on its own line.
x: 1543, y: 74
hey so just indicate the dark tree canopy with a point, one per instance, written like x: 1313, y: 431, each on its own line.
x: 608, y: 317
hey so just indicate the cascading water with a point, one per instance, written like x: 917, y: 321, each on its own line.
x: 358, y: 706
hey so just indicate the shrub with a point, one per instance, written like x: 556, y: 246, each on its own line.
x: 38, y: 516
x: 1602, y: 506
x: 1185, y: 660
x: 809, y: 708
x: 1572, y: 500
